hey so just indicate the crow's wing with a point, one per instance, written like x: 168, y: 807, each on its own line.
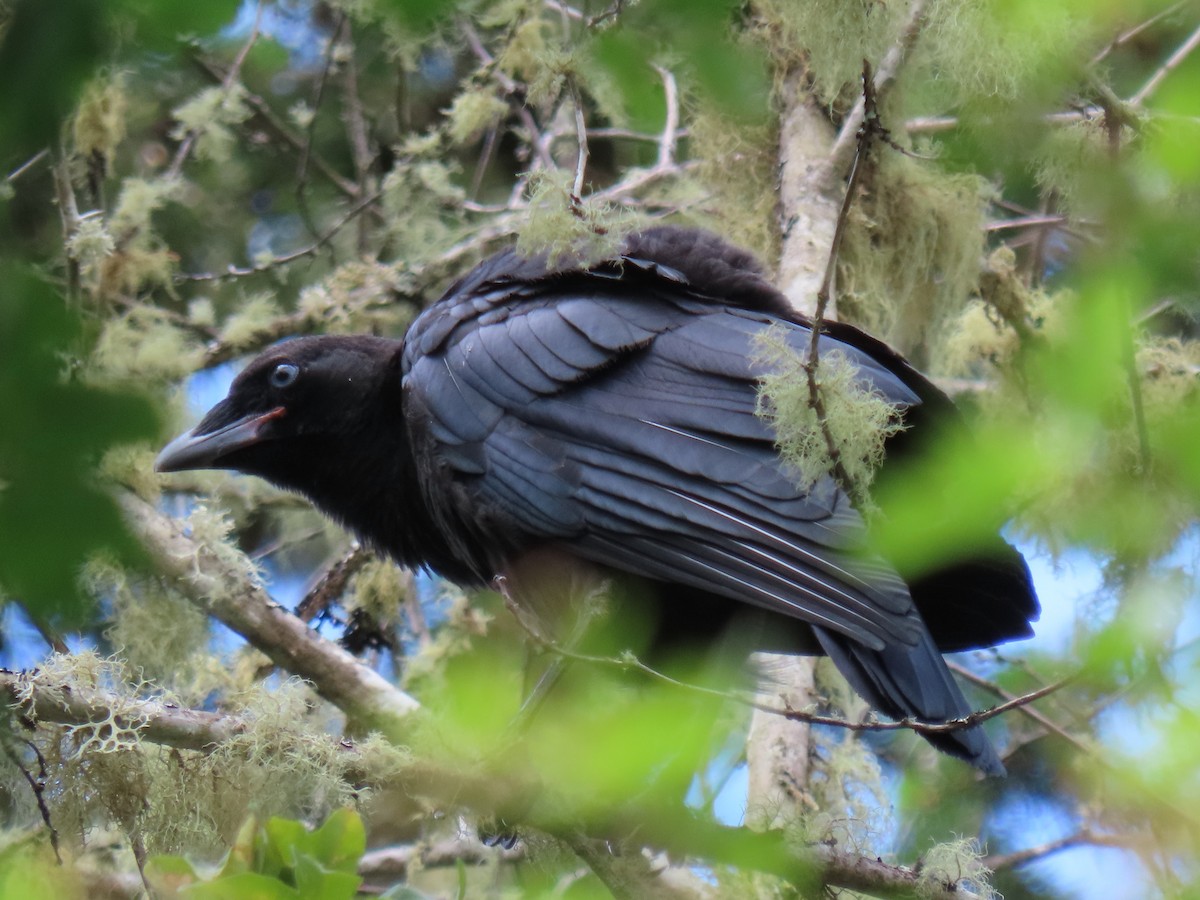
x: 615, y: 414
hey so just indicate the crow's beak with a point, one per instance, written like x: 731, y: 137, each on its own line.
x: 204, y: 450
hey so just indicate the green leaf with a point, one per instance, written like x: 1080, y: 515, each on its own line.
x: 244, y: 886
x: 47, y: 53
x: 53, y: 515
x: 341, y: 841
x: 170, y: 874
x: 315, y: 882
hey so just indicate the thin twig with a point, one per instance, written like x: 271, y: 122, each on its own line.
x: 581, y: 157
x: 630, y: 663
x: 189, y: 139
x: 332, y: 582
x: 936, y: 124
x: 670, y: 133
x: 490, y: 142
x: 68, y: 212
x: 564, y: 9
x: 318, y: 97
x: 866, y: 135
x: 1026, y: 710
x: 27, y: 165
x: 1084, y: 836
x: 1128, y: 35
x: 38, y: 786
x: 889, y: 67
x: 1030, y: 221
x: 1135, y: 396
x: 1173, y: 62
x: 277, y: 126
x: 514, y: 90
x: 276, y: 262
x: 356, y: 128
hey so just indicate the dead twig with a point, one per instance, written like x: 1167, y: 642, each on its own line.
x: 332, y: 583
x: 581, y: 139
x: 1085, y: 836
x: 847, y: 140
x: 27, y: 165
x: 287, y: 258
x: 1126, y: 36
x: 38, y: 786
x: 869, y: 130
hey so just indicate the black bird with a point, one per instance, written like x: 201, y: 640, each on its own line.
x: 606, y: 413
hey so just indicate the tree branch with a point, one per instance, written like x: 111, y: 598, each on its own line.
x: 220, y: 590
x: 682, y: 835
x: 1160, y: 74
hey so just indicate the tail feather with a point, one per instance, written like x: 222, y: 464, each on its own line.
x: 912, y: 682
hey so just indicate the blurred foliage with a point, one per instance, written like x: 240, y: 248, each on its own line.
x: 279, y: 858
x: 189, y: 183
x: 53, y: 513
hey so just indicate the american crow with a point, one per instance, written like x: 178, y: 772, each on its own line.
x: 606, y: 413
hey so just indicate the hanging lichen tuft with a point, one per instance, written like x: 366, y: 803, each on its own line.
x: 912, y: 250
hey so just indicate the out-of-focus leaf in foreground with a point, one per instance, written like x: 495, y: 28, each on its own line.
x: 53, y: 515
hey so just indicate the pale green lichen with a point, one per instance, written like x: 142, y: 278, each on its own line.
x: 830, y: 38
x: 359, y: 296
x: 569, y: 228
x: 1000, y: 49
x: 1075, y: 162
x: 739, y: 176
x: 143, y: 344
x: 473, y: 112
x: 90, y: 245
x: 285, y: 762
x: 379, y: 590
x: 955, y: 865
x: 139, y: 199
x: 302, y: 114
x: 210, y: 532
x: 209, y: 118
x: 423, y: 206
x: 254, y: 316
x: 99, y: 124
x: 911, y: 253
x: 159, y: 633
x: 858, y: 419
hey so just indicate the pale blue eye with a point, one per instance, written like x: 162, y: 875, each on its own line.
x: 284, y: 374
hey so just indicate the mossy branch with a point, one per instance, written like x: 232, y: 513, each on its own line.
x: 223, y: 591
x: 42, y: 699
x: 681, y: 835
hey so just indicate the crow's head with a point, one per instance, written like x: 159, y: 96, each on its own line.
x: 293, y: 407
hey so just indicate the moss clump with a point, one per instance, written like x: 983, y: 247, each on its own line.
x: 143, y: 345
x: 739, y: 175
x: 1000, y: 50
x: 210, y: 116
x: 254, y: 317
x: 859, y: 419
x: 474, y: 112
x: 911, y: 254
x: 1075, y: 161
x: 955, y: 864
x: 99, y: 125
x: 424, y: 207
x: 830, y: 38
x: 565, y: 227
